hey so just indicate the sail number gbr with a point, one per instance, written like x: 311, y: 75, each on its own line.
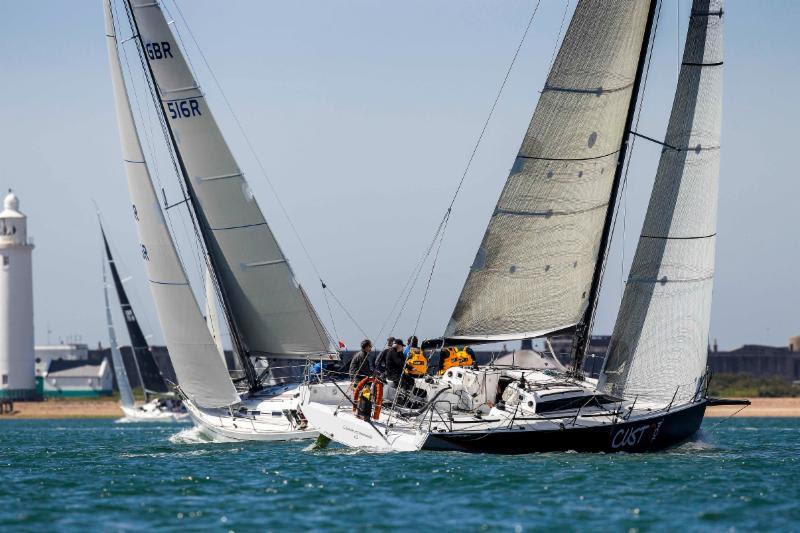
x: 184, y: 109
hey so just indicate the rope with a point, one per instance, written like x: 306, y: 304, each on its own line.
x: 445, y: 219
x: 712, y: 428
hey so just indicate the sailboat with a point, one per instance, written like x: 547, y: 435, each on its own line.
x: 539, y: 267
x: 267, y: 313
x: 159, y: 404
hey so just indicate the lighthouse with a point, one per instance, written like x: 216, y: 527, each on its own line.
x: 17, y: 380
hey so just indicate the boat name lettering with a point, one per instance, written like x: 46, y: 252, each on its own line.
x: 628, y: 437
x: 184, y: 109
x: 359, y: 433
x: 158, y: 50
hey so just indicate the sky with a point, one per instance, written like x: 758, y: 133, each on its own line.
x: 364, y: 114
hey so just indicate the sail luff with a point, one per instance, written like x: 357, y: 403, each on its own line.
x: 123, y: 384
x: 150, y: 376
x: 659, y: 347
x: 201, y: 375
x: 212, y: 318
x: 261, y: 297
x: 584, y: 327
x: 534, y: 268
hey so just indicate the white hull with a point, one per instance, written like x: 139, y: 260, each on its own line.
x: 143, y: 414
x: 274, y: 414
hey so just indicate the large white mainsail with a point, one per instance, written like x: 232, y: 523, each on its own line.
x: 265, y: 303
x: 198, y: 367
x: 533, y: 272
x: 659, y: 347
x: 124, y: 386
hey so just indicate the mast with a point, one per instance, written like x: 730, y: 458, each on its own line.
x: 198, y: 218
x: 583, y: 329
x: 123, y: 384
x: 149, y: 374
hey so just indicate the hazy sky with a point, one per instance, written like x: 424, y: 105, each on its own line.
x: 364, y: 114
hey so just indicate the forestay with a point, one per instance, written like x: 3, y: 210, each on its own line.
x: 269, y: 309
x: 533, y: 271
x: 660, y: 342
x: 199, y: 369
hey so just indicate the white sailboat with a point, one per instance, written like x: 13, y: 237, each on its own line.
x: 267, y: 312
x: 539, y: 267
x: 160, y: 408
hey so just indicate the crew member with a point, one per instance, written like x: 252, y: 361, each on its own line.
x: 359, y: 365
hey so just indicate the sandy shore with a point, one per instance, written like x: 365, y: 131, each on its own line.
x: 109, y: 408
x: 761, y: 408
x: 102, y: 408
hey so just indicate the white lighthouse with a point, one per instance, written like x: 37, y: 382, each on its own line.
x: 17, y: 378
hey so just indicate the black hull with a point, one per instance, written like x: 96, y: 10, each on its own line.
x: 645, y: 434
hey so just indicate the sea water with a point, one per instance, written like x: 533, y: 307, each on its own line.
x: 742, y: 474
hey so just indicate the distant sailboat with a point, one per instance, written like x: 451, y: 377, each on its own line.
x: 268, y: 314
x: 163, y: 407
x: 539, y: 267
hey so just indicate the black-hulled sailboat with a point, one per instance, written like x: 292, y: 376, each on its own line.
x: 538, y: 270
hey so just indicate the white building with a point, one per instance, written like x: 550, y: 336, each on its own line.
x: 78, y: 379
x: 17, y: 379
x: 50, y: 352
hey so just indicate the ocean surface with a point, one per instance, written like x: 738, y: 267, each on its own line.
x: 743, y: 474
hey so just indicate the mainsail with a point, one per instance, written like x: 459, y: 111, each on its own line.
x: 200, y: 372
x: 659, y: 347
x: 534, y: 270
x: 124, y: 386
x: 268, y: 310
x: 149, y: 375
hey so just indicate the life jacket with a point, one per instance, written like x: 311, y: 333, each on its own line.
x: 416, y: 363
x: 456, y: 358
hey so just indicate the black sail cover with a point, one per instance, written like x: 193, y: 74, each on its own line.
x: 151, y: 375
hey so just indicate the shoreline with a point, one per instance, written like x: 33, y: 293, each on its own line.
x: 108, y: 408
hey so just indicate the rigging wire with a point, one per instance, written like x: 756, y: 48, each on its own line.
x: 257, y: 159
x: 445, y: 219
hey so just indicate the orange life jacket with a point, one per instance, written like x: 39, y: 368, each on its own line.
x: 456, y: 358
x: 416, y: 363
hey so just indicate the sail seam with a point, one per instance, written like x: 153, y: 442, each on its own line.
x: 547, y: 214
x: 535, y: 158
x: 167, y: 282
x: 665, y: 280
x: 599, y: 91
x: 678, y: 238
x: 240, y: 227
x: 222, y: 177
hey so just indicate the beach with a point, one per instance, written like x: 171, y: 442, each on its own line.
x: 109, y: 408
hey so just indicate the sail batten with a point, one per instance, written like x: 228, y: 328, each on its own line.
x: 266, y: 307
x: 659, y: 347
x: 201, y: 374
x: 534, y: 268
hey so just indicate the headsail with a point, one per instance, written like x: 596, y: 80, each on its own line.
x: 149, y: 375
x: 533, y: 272
x: 194, y: 356
x: 660, y: 342
x: 124, y: 386
x: 264, y: 301
x: 212, y: 317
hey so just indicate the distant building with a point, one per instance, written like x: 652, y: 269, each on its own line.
x: 51, y: 352
x: 17, y: 378
x: 76, y: 379
x: 758, y: 360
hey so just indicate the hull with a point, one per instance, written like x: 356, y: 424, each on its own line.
x: 275, y: 414
x: 136, y: 414
x: 644, y: 434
